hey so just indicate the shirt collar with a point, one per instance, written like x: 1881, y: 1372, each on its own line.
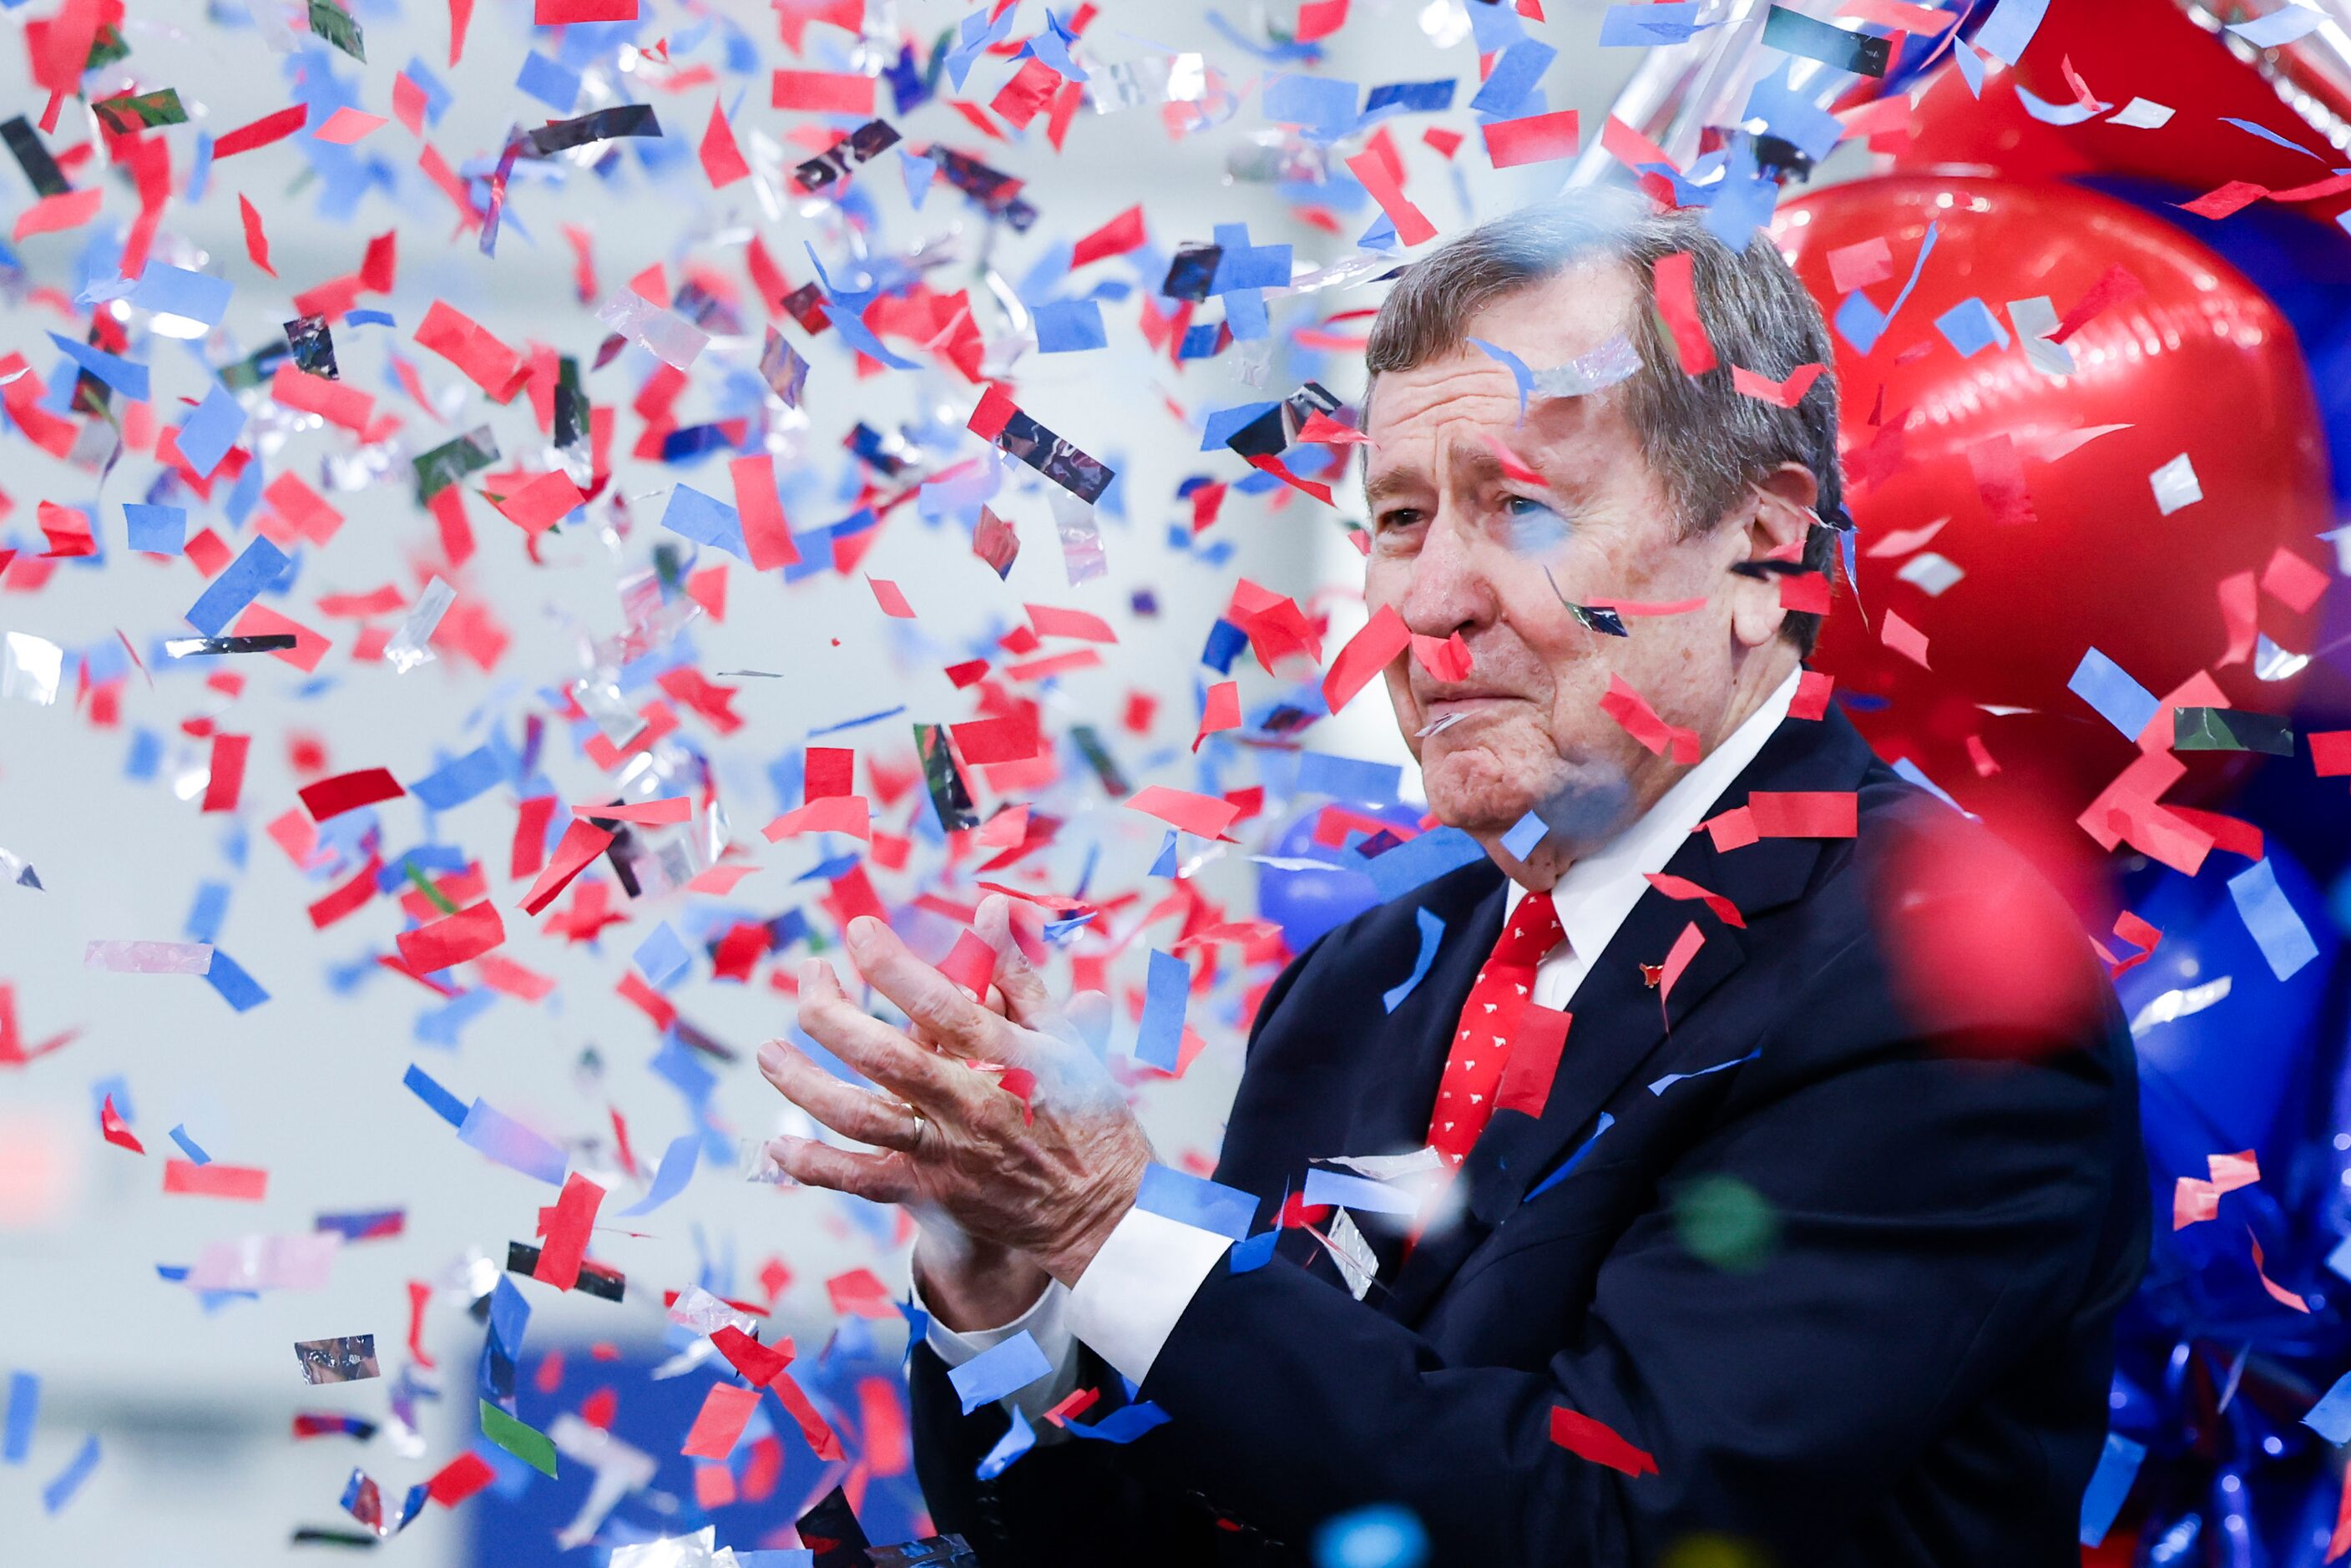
x: 1592, y: 896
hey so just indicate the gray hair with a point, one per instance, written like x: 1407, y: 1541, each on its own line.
x: 1707, y: 441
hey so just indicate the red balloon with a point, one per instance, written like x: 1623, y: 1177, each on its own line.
x: 2124, y: 49
x: 2200, y: 363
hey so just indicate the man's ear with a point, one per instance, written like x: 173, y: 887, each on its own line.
x: 1779, y: 518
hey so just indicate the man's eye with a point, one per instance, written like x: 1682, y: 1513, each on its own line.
x: 1395, y: 518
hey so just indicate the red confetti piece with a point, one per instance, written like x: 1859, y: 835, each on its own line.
x: 821, y: 1437
x: 984, y: 742
x: 760, y: 1364
x: 1536, y: 1041
x: 225, y: 780
x: 1589, y: 1439
x: 1445, y: 659
x: 1805, y: 813
x: 256, y: 243
x: 1681, y: 887
x: 1903, y: 638
x: 460, y: 1479
x: 2114, y: 286
x: 485, y: 361
x: 349, y: 791
x: 1117, y: 237
x: 721, y: 160
x: 1367, y: 652
x: 833, y: 814
x: 767, y: 535
x: 1386, y: 188
x: 1999, y: 479
x: 822, y: 92
x: 651, y: 814
x: 1537, y: 138
x: 2292, y: 582
x: 116, y: 1130
x: 725, y: 1409
x: 546, y: 501
x: 1677, y: 959
x: 581, y: 843
x: 561, y: 13
x: 345, y: 126
x: 242, y: 1184
x: 1643, y: 723
x: 1318, y: 19
x: 1811, y: 698
x: 2330, y: 752
x: 566, y: 1236
x: 452, y: 939
x: 351, y: 895
x: 1674, y: 281
x: 461, y: 14
x: 892, y: 600
x: 261, y: 133
x: 1202, y: 814
x: 1781, y: 394
x: 2193, y: 1201
x: 1852, y: 266
x: 1221, y: 710
x: 2278, y: 1292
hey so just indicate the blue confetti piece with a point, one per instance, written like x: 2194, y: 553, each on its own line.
x: 1196, y: 1201
x: 1254, y: 1253
x: 1659, y: 1086
x: 1391, y: 99
x: 2110, y: 1483
x: 1245, y: 315
x: 1344, y: 1190
x: 2283, y: 939
x: 128, y: 377
x: 509, y: 1316
x: 1018, y: 1439
x: 440, y: 1026
x: 204, y: 917
x: 551, y: 82
x: 175, y: 292
x: 1421, y: 859
x: 1859, y: 322
x: 369, y: 319
x: 156, y: 530
x: 1165, y: 863
x: 2331, y: 1416
x: 2003, y: 37
x: 244, y: 495
x: 458, y: 780
x: 189, y: 1147
x: 1515, y: 75
x: 24, y: 1408
x: 1226, y: 642
x: 1792, y: 117
x: 1001, y: 1369
x: 1525, y: 835
x: 1512, y: 363
x: 1321, y: 107
x: 1124, y: 1425
x: 663, y: 957
x: 446, y: 1105
x: 1432, y: 933
x: 238, y: 585
x: 1567, y: 1167
x: 677, y: 1164
x: 1348, y: 778
x: 2108, y: 687
x: 1971, y: 328
x: 1645, y: 27
x: 1160, y: 1041
x: 502, y: 1138
x: 1069, y: 327
x: 60, y: 1491
x: 1222, y: 424
x: 706, y: 521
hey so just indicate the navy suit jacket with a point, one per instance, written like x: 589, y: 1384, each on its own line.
x: 1853, y: 1294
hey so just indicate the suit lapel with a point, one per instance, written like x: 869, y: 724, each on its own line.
x: 1619, y: 1023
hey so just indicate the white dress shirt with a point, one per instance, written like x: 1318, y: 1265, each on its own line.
x: 1127, y: 1302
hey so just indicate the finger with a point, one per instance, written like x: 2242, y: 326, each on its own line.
x: 921, y: 993
x: 885, y: 1178
x: 852, y: 1111
x: 1027, y: 1001
x: 925, y: 1078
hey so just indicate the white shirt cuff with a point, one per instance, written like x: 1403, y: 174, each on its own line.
x: 1046, y: 1321
x: 1127, y: 1302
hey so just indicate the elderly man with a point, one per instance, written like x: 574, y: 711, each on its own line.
x: 1801, y: 1244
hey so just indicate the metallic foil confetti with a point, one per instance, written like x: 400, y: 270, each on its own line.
x: 604, y: 125
x: 781, y: 367
x: 148, y: 957
x: 313, y: 343
x: 412, y: 644
x: 130, y: 111
x: 30, y: 668
x: 330, y: 21
x: 450, y: 461
x: 1614, y: 360
x: 348, y: 1358
x: 950, y: 798
x: 32, y: 155
x: 1080, y: 529
x: 206, y: 647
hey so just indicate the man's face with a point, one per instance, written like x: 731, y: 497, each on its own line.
x: 1458, y: 546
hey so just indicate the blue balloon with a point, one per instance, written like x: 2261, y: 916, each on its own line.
x: 1307, y: 903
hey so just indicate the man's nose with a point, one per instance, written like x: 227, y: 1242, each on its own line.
x: 1450, y: 591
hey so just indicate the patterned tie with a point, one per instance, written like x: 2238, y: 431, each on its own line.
x: 1481, y: 1047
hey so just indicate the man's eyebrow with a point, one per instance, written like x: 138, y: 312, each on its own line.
x: 1392, y: 481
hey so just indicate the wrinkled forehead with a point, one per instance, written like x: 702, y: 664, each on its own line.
x: 1545, y: 324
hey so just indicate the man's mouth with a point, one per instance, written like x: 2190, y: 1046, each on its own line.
x: 1443, y: 713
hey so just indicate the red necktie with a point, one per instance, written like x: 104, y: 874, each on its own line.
x: 1481, y: 1045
